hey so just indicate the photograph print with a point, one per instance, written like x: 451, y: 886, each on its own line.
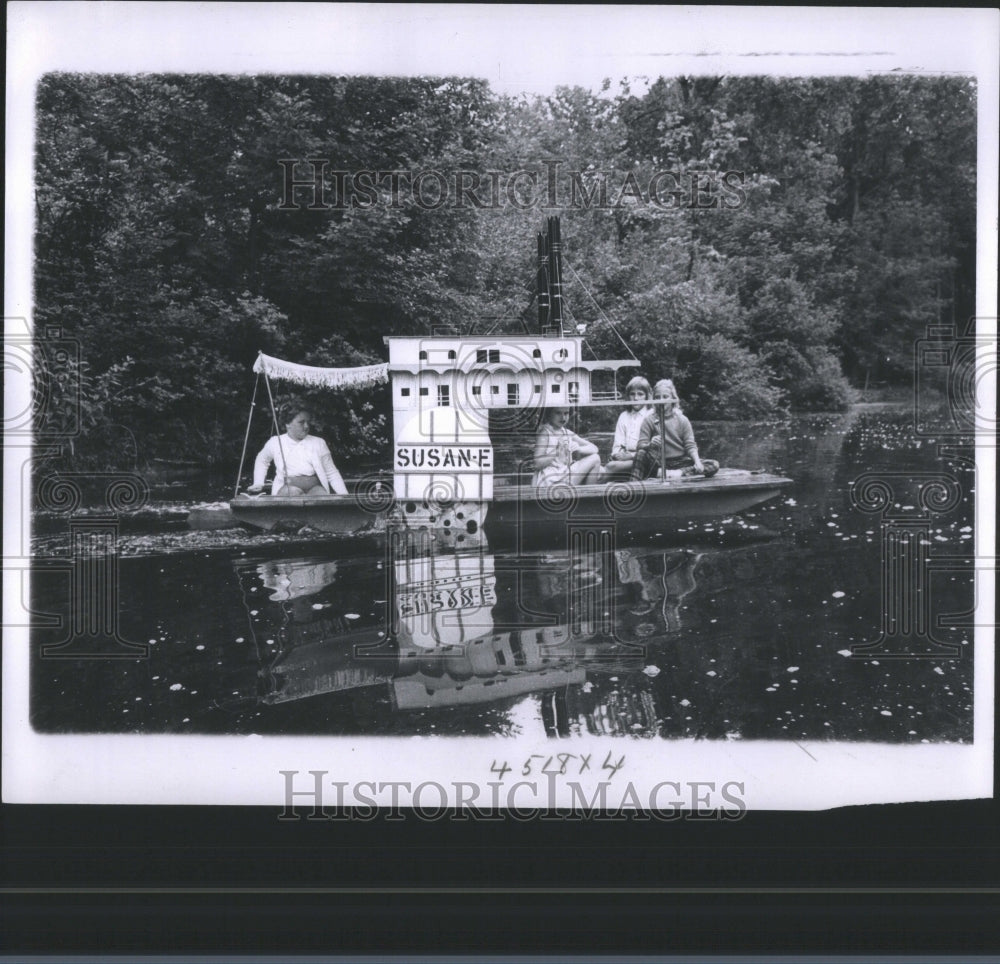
x: 619, y: 429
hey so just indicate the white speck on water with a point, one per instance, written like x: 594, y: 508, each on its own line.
x: 152, y: 642
x: 176, y: 686
x: 652, y: 671
x: 685, y: 702
x: 711, y: 672
x: 317, y: 606
x: 770, y: 689
x: 843, y: 652
x: 939, y: 671
x: 270, y: 642
x: 239, y: 639
x: 792, y: 669
x: 199, y: 646
x: 588, y: 687
x: 253, y: 612
x: 186, y: 719
x: 886, y: 712
x: 351, y: 616
x: 839, y: 595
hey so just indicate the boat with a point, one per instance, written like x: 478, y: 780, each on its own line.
x: 459, y: 398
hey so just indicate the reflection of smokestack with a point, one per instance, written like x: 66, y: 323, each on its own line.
x: 627, y: 709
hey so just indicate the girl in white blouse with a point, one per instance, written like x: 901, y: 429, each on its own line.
x: 302, y: 462
x: 626, y: 439
x: 561, y: 455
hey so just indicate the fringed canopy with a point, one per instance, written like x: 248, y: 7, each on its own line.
x: 363, y: 377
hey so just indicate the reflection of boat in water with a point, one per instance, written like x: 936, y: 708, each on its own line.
x: 457, y: 628
x: 454, y: 397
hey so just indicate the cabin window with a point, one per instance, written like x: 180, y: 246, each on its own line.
x: 451, y: 354
x: 574, y: 391
x: 496, y: 389
x: 405, y: 392
x: 494, y: 356
x: 423, y: 356
x: 538, y: 389
x: 480, y: 356
x: 444, y: 395
x: 477, y: 389
x: 423, y: 391
x: 560, y: 355
x: 555, y: 388
x: 537, y: 353
x: 513, y: 395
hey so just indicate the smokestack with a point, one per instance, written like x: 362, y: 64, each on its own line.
x: 555, y: 275
x: 543, y: 284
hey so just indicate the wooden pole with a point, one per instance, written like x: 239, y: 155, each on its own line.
x: 246, y: 438
x: 663, y: 457
x: 277, y: 430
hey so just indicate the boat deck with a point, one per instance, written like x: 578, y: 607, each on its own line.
x: 517, y: 502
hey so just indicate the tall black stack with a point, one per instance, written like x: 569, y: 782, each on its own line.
x: 550, y: 302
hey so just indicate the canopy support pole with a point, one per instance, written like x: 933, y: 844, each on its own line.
x: 663, y: 457
x: 246, y: 438
x: 277, y: 431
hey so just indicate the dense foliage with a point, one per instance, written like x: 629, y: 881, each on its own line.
x: 164, y: 248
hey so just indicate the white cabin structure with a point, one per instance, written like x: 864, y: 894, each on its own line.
x: 444, y: 388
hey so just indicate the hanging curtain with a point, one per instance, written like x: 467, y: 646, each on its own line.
x: 310, y: 375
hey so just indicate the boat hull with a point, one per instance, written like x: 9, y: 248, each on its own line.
x: 634, y: 505
x: 340, y: 514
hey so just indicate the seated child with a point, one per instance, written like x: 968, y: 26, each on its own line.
x: 555, y: 448
x: 677, y: 443
x: 629, y: 425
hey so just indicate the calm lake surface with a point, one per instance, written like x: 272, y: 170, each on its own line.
x: 740, y: 628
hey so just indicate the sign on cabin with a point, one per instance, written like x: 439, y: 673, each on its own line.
x: 421, y: 458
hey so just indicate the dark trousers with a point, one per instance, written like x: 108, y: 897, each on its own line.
x: 647, y: 463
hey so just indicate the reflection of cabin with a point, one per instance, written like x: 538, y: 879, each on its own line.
x: 489, y: 668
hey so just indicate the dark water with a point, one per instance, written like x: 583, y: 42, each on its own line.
x: 738, y: 628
